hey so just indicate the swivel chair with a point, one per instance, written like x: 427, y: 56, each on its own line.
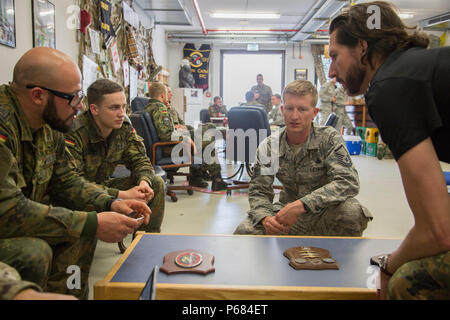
x: 248, y: 126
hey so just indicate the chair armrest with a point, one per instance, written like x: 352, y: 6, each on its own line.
x: 161, y: 144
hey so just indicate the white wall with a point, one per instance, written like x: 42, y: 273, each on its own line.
x: 175, y: 54
x: 65, y: 38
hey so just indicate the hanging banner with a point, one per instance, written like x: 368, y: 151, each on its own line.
x: 199, y: 61
x: 105, y: 21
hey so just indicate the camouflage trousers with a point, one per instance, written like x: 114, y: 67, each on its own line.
x: 324, y: 112
x: 343, y: 120
x: 203, y: 170
x: 427, y: 278
x: 156, y: 204
x: 348, y: 218
x: 45, y: 261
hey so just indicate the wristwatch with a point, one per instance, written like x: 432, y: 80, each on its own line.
x: 381, y: 261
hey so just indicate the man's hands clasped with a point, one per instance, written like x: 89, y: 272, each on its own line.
x: 115, y: 225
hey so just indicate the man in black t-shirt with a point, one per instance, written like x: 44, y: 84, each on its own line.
x: 407, y: 91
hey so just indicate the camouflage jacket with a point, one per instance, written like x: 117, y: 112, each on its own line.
x: 11, y: 283
x: 214, y: 110
x: 320, y: 174
x: 265, y: 93
x: 36, y: 173
x: 175, y: 117
x: 163, y: 122
x: 95, y: 157
x: 328, y: 91
x: 276, y: 116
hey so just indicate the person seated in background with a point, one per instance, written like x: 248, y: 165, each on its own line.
x: 218, y: 109
x: 41, y: 240
x: 103, y: 138
x: 275, y: 116
x: 250, y: 97
x: 177, y: 120
x: 165, y: 126
x: 316, y: 171
x: 12, y: 287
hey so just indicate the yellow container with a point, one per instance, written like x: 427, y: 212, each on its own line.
x: 372, y: 135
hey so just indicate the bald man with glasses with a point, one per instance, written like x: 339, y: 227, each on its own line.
x: 41, y: 241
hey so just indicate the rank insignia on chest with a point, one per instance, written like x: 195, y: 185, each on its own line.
x: 3, y: 138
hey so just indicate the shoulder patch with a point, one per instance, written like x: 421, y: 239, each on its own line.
x: 342, y: 156
x: 69, y: 142
x: 5, y: 113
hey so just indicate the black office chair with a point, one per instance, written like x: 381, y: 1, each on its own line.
x: 332, y: 120
x: 204, y: 116
x: 240, y: 147
x: 139, y: 103
x: 143, y: 125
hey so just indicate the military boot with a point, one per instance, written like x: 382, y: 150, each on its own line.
x: 196, y: 177
x: 218, y: 184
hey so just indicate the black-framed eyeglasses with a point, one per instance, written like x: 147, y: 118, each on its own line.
x: 74, y: 99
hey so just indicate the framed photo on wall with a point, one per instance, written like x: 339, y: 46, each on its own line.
x: 43, y: 24
x: 7, y: 23
x: 301, y: 74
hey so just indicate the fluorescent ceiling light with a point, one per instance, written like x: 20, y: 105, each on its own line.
x: 230, y: 15
x: 405, y: 15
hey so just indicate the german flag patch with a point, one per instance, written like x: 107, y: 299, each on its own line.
x: 3, y: 138
x: 69, y: 143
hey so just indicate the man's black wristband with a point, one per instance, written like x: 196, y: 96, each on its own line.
x: 109, y: 203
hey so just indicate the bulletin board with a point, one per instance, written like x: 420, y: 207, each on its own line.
x: 117, y: 46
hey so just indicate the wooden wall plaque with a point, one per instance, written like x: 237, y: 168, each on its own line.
x: 188, y: 261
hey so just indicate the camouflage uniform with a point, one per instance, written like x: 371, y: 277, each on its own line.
x: 95, y: 159
x: 253, y: 103
x: 426, y: 278
x: 343, y: 119
x: 164, y: 124
x: 265, y: 94
x: 320, y: 174
x: 327, y: 92
x: 38, y: 172
x: 276, y: 116
x: 11, y: 283
x: 214, y: 110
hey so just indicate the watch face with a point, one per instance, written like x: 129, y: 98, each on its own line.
x: 376, y: 260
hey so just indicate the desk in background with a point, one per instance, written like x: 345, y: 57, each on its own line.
x: 247, y: 267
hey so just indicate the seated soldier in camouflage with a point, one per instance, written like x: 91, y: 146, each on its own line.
x: 37, y: 239
x: 165, y: 126
x: 250, y: 97
x: 275, y: 116
x: 102, y: 138
x: 218, y: 109
x: 317, y: 174
x: 12, y: 287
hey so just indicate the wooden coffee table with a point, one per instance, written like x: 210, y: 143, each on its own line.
x: 246, y: 267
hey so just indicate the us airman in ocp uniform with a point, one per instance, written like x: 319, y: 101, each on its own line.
x: 39, y: 240
x: 165, y: 126
x: 343, y: 119
x: 102, y: 138
x: 318, y: 177
x: 327, y: 97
